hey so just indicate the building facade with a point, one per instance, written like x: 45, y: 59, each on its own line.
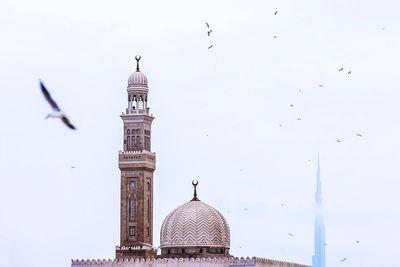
x: 194, y: 234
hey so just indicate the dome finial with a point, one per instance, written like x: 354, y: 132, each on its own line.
x: 195, y: 183
x: 137, y: 57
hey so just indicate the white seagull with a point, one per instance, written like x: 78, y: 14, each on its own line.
x: 57, y: 112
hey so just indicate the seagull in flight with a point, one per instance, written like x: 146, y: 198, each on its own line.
x: 321, y: 85
x: 208, y: 26
x: 349, y: 72
x: 343, y: 259
x: 291, y: 234
x: 209, y: 32
x: 57, y: 112
x: 338, y: 140
x: 210, y: 46
x: 341, y: 69
x: 358, y: 134
x: 276, y: 12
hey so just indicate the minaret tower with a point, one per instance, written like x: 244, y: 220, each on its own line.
x: 137, y: 164
x: 319, y: 256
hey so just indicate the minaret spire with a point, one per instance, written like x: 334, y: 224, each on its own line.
x: 137, y: 57
x: 195, y: 183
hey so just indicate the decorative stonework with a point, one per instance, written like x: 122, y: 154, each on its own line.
x: 195, y: 224
x: 185, y: 262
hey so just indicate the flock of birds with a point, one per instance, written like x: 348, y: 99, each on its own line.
x: 209, y: 31
x: 320, y: 85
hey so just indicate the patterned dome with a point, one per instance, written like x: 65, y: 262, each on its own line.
x: 195, y: 224
x: 137, y: 79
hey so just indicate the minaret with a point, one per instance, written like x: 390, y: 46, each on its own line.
x: 319, y: 256
x: 137, y: 164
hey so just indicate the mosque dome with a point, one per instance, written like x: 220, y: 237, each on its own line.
x: 195, y: 229
x: 137, y: 79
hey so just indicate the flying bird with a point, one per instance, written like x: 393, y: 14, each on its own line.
x: 246, y: 209
x: 321, y: 85
x: 57, y: 112
x: 299, y: 91
x: 280, y: 124
x: 339, y: 141
x: 291, y: 105
x: 282, y: 204
x: 341, y: 69
x: 358, y: 134
x: 276, y: 12
x: 358, y: 241
x: 210, y: 46
x: 291, y: 234
x: 299, y: 119
x: 275, y: 36
x: 325, y: 244
x: 209, y: 32
x: 72, y: 167
x: 208, y: 26
x: 343, y: 259
x: 349, y: 72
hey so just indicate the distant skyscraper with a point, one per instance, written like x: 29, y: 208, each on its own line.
x: 319, y: 253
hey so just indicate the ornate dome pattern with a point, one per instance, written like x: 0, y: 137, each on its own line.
x: 195, y: 224
x: 137, y: 79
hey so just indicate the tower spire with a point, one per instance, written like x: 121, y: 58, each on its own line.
x: 318, y: 193
x: 195, y: 183
x: 318, y: 260
x: 137, y: 57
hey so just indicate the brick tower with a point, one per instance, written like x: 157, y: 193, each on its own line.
x: 137, y: 164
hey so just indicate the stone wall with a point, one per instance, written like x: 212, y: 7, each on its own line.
x: 198, y: 262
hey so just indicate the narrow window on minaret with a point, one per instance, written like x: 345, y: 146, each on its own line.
x: 128, y: 140
x: 148, y: 208
x: 132, y: 230
x: 138, y: 142
x: 132, y: 208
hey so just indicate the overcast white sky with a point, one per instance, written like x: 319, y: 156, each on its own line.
x: 217, y: 120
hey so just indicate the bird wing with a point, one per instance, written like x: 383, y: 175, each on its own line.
x: 208, y: 26
x: 66, y: 121
x: 46, y: 94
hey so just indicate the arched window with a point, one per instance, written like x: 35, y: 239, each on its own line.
x: 128, y: 140
x: 132, y: 208
x: 138, y: 141
x: 132, y: 186
x: 148, y: 186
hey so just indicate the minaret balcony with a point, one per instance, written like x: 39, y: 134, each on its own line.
x: 137, y: 159
x: 138, y: 111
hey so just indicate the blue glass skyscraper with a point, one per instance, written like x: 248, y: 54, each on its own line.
x: 318, y: 259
